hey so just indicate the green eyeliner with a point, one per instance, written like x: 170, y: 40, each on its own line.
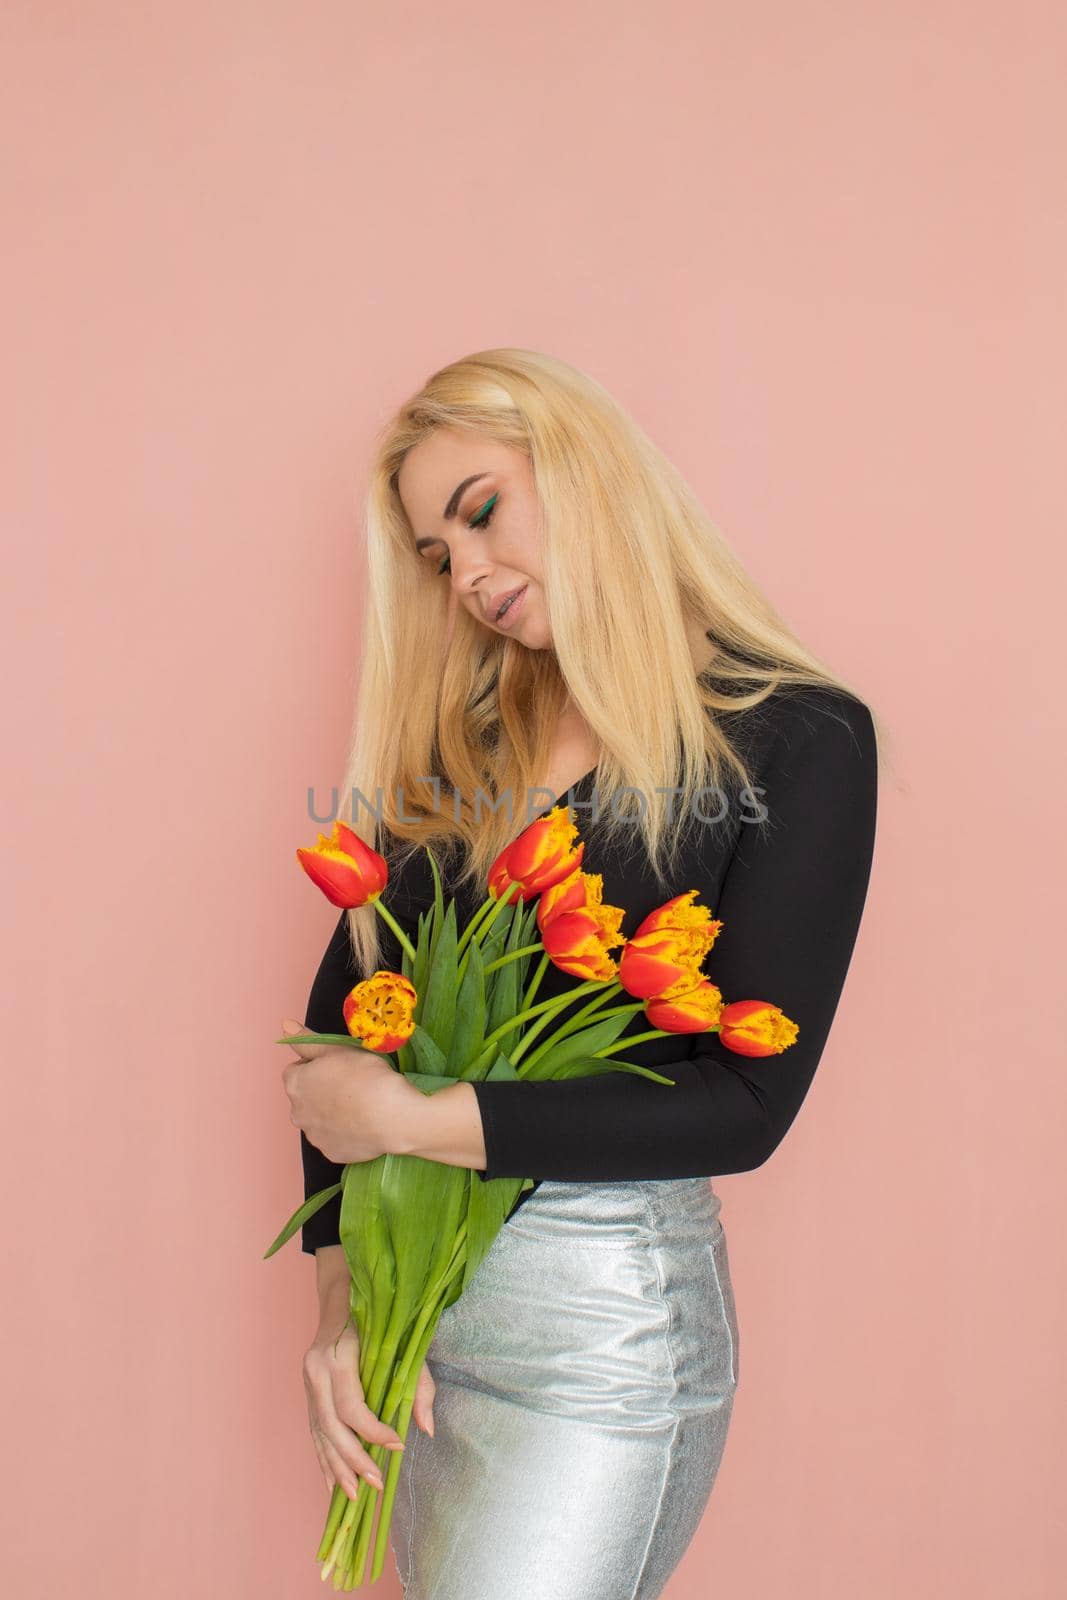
x: 487, y: 507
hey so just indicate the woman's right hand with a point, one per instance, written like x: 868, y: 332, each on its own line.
x: 339, y: 1415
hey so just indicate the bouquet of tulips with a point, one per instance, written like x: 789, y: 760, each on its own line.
x: 414, y: 1231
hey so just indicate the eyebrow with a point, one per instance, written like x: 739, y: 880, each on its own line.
x: 453, y: 505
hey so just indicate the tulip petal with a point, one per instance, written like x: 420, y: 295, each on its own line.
x: 380, y: 1011
x: 756, y: 1028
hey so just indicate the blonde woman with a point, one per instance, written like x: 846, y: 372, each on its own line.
x: 551, y: 613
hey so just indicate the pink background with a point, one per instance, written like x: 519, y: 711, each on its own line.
x: 818, y: 250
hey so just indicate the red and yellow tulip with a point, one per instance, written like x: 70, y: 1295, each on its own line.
x: 501, y: 883
x: 685, y: 1009
x: 756, y: 1028
x: 668, y: 947
x: 380, y: 1011
x: 347, y: 870
x: 577, y: 929
x: 542, y: 855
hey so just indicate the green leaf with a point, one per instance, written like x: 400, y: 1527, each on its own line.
x: 503, y: 981
x: 300, y: 1216
x: 400, y: 1216
x: 422, y: 1203
x: 429, y: 1082
x: 502, y: 1068
x: 324, y: 1038
x: 416, y: 970
x: 591, y: 1066
x: 469, y: 1028
x: 429, y: 1057
x: 437, y: 1010
x: 489, y: 1205
x: 365, y: 1244
x: 438, y: 915
x: 529, y: 933
x: 492, y: 943
x: 506, y: 992
x: 490, y: 1202
x: 422, y: 951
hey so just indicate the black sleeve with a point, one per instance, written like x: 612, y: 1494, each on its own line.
x: 790, y: 906
x: 337, y: 974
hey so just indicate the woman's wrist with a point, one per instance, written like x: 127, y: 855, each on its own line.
x: 332, y: 1283
x: 445, y: 1126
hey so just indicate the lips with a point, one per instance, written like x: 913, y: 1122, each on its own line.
x: 497, y: 600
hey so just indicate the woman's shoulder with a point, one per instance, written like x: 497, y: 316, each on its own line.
x: 825, y: 719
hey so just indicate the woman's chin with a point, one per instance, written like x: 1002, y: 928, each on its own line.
x: 529, y: 629
x: 534, y: 636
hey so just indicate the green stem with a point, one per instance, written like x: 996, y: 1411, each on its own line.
x: 392, y: 1478
x: 554, y: 1005
x: 535, y: 981
x: 344, y: 1527
x: 390, y: 1342
x: 483, y: 921
x: 609, y: 992
x: 571, y: 1025
x: 574, y: 1025
x: 517, y: 1053
x: 383, y: 911
x: 385, y: 1371
x: 475, y: 923
x: 427, y: 1316
x: 635, y: 1038
x: 352, y: 1527
x: 483, y: 924
x: 401, y: 1396
x: 502, y: 961
x: 336, y: 1511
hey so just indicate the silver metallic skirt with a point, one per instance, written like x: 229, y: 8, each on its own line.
x: 585, y: 1383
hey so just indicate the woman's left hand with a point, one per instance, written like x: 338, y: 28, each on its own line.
x: 352, y: 1104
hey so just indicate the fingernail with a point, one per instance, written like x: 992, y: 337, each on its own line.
x: 374, y: 1478
x: 394, y: 1444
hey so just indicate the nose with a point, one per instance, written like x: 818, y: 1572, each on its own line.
x: 470, y: 571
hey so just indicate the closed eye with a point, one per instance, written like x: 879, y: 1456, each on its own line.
x: 481, y: 519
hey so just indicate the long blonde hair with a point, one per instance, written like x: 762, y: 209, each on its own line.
x: 631, y: 562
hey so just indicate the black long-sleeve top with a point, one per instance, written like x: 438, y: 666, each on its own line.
x: 789, y: 893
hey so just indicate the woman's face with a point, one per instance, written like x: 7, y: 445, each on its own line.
x: 473, y: 506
